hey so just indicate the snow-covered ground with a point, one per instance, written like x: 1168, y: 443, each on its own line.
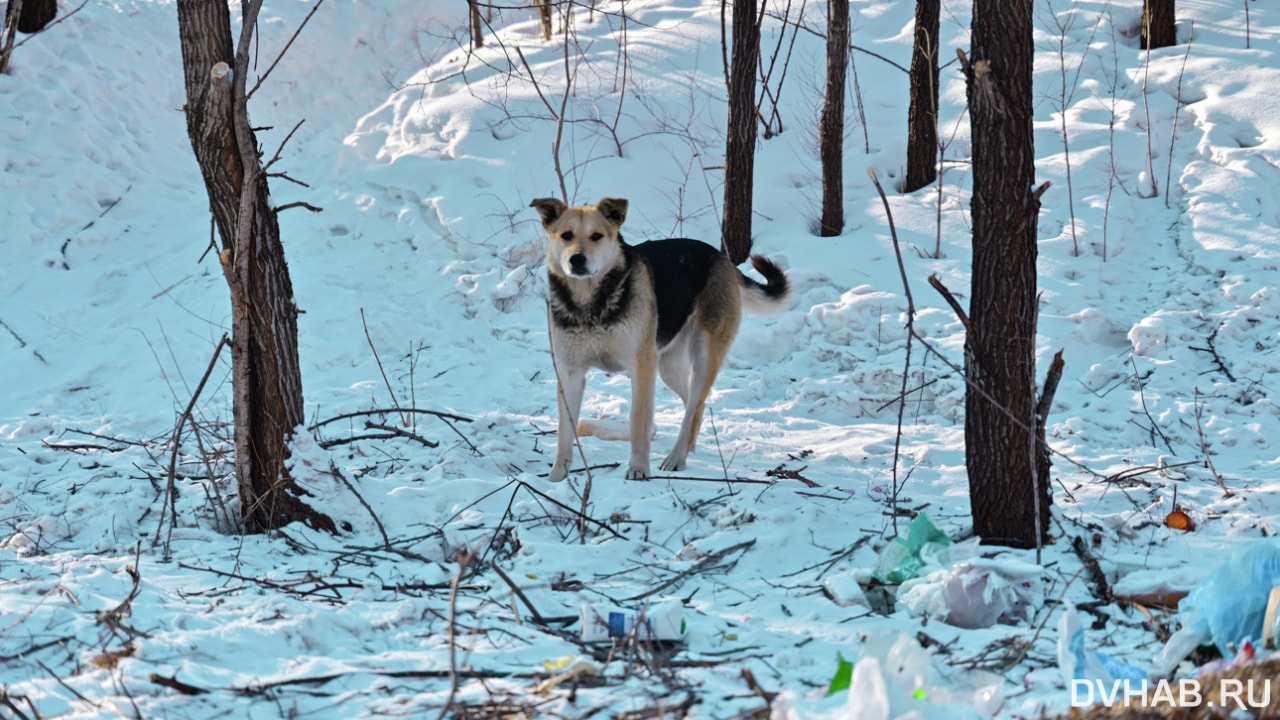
x: 1164, y: 294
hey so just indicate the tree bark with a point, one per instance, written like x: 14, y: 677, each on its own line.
x: 266, y: 380
x: 831, y: 129
x: 1000, y: 405
x: 477, y: 26
x: 922, y: 117
x: 1159, y: 28
x: 544, y: 14
x: 740, y: 144
x: 33, y: 15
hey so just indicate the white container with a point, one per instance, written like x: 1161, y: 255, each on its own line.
x: 658, y: 621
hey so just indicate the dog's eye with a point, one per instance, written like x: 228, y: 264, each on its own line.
x: 595, y: 237
x: 566, y: 236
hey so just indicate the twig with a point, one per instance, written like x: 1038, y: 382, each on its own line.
x: 1146, y: 107
x: 398, y: 432
x: 1142, y: 397
x: 1213, y: 352
x: 721, y: 480
x: 171, y: 489
x: 384, y: 411
x: 1204, y: 448
x: 334, y: 471
x: 936, y: 283
x: 174, y: 684
x: 403, y: 417
x: 706, y: 562
x: 537, y: 616
x: 282, y: 53
x: 464, y: 559
x: 284, y: 142
x: 1101, y: 588
x: 1177, y: 106
x: 828, y: 564
x: 300, y: 204
x: 581, y: 516
x: 906, y: 370
x: 8, y: 699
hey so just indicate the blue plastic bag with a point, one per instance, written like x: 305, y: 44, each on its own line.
x: 1228, y: 607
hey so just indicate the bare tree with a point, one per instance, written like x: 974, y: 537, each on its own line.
x: 922, y: 117
x: 1009, y: 499
x: 740, y: 145
x: 1159, y: 28
x: 831, y: 129
x: 266, y: 381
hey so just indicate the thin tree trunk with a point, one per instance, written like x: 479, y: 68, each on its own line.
x: 922, y: 118
x: 1000, y: 406
x: 477, y: 26
x: 740, y: 144
x: 266, y: 381
x: 1159, y: 28
x: 831, y: 130
x: 12, y: 12
x: 544, y: 14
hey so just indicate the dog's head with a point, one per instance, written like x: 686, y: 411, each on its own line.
x: 583, y: 242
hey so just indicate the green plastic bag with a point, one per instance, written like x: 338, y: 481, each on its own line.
x: 903, y: 558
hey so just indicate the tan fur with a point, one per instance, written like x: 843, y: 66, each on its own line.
x: 583, y: 248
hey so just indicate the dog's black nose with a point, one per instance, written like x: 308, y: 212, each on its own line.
x: 578, y: 263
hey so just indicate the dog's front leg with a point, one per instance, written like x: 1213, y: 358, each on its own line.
x: 570, y: 388
x: 642, y: 385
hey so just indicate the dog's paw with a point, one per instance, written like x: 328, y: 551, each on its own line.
x: 638, y: 472
x: 558, y: 472
x: 673, y: 464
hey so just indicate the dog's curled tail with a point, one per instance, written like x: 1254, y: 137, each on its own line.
x: 769, y: 298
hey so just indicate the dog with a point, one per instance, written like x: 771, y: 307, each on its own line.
x: 663, y: 307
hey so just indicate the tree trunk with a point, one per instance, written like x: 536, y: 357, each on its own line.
x: 1000, y: 405
x: 8, y: 34
x: 266, y: 381
x: 33, y: 15
x: 831, y: 130
x: 740, y: 144
x: 922, y: 118
x: 477, y: 26
x: 544, y: 14
x: 1159, y: 28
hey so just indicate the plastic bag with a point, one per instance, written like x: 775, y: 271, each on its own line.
x: 895, y: 679
x: 1227, y: 608
x: 904, y: 557
x: 1076, y: 662
x: 977, y: 594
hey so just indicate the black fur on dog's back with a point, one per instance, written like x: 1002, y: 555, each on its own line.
x: 679, y: 268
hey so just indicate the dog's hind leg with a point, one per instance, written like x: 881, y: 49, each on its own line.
x: 573, y: 382
x: 642, y: 386
x: 703, y: 365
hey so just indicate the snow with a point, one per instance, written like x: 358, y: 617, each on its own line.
x: 424, y: 156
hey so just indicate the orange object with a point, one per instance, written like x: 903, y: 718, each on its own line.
x: 1179, y: 520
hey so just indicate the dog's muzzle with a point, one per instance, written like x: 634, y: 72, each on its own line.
x: 578, y: 264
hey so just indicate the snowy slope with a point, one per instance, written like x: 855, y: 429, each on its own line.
x: 424, y: 157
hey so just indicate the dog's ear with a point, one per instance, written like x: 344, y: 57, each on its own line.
x: 549, y: 208
x: 613, y: 209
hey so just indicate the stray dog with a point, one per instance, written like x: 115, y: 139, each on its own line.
x: 668, y: 307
